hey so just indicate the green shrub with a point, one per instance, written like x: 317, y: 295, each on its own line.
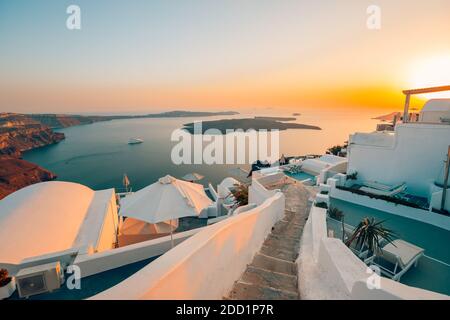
x: 322, y: 205
x: 335, y: 213
x: 352, y: 176
x: 4, y: 277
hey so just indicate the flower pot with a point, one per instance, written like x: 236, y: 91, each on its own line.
x: 7, y: 290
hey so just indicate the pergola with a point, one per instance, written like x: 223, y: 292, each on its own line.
x: 408, y: 94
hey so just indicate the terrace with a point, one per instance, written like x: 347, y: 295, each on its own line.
x: 432, y: 269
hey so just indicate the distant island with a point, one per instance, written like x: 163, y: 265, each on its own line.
x: 56, y: 121
x: 257, y: 123
x: 295, y: 114
x: 277, y: 118
x: 23, y: 132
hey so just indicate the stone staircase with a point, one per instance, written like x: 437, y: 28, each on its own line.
x: 273, y: 271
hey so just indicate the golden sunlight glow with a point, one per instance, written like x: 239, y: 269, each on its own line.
x: 432, y: 72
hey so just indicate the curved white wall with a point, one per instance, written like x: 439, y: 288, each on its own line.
x: 257, y: 193
x: 206, y: 265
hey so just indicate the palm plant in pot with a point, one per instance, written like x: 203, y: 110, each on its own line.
x: 7, y: 284
x: 370, y: 234
x: 240, y: 193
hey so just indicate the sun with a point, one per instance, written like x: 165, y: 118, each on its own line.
x: 431, y: 72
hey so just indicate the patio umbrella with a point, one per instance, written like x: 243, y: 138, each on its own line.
x: 135, y: 231
x: 193, y: 177
x: 389, y: 117
x: 133, y: 226
x: 165, y: 200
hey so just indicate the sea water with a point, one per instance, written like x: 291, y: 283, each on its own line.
x: 97, y: 155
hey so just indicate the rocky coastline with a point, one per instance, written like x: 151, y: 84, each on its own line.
x: 22, y: 132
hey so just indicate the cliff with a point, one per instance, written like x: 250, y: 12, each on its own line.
x: 63, y: 121
x: 19, y: 133
x: 17, y: 173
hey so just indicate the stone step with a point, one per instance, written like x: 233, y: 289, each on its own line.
x: 287, y: 229
x: 245, y: 291
x: 293, y: 217
x: 266, y: 278
x: 279, y: 253
x: 297, y: 221
x: 273, y: 271
x: 275, y: 265
x: 284, y: 243
x: 284, y: 237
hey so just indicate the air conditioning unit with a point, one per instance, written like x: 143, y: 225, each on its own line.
x: 39, y: 279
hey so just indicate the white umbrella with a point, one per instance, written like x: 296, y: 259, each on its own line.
x: 167, y: 199
x: 133, y: 226
x: 193, y: 177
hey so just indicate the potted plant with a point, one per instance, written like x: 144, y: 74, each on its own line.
x: 352, y: 176
x: 369, y: 233
x: 240, y: 192
x: 7, y: 284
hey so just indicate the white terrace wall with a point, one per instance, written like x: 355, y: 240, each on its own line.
x: 392, y: 290
x: 331, y: 171
x: 328, y: 269
x: 257, y: 193
x: 414, y: 155
x: 90, y: 264
x: 64, y: 257
x: 425, y: 216
x: 206, y: 265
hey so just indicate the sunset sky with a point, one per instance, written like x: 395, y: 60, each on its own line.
x: 149, y: 56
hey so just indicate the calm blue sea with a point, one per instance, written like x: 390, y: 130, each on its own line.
x: 98, y: 155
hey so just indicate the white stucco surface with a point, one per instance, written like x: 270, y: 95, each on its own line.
x: 110, y: 259
x: 327, y: 269
x: 45, y: 218
x: 415, y: 155
x: 206, y: 265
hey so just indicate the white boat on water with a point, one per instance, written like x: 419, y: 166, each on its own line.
x: 135, y: 141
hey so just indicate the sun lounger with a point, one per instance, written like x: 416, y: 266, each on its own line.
x: 382, y: 189
x: 396, y: 258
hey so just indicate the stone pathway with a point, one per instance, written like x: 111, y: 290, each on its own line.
x: 273, y: 272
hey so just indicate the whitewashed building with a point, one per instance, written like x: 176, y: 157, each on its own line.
x: 55, y: 221
x: 414, y: 154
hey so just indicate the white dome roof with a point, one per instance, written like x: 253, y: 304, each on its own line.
x: 442, y: 105
x: 42, y: 218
